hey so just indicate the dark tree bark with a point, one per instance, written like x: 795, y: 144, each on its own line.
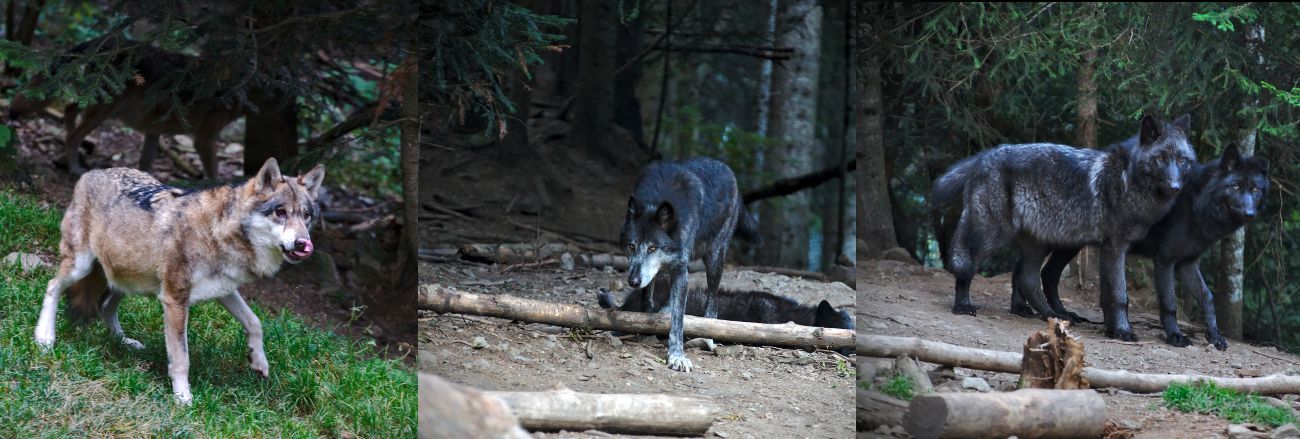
x: 410, y: 157
x: 875, y: 221
x: 1085, y: 265
x: 27, y: 28
x: 593, y: 122
x: 627, y: 110
x: 271, y: 131
x: 1228, y: 303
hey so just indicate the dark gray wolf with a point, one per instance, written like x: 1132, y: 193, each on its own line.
x: 1218, y: 198
x: 155, y: 72
x: 740, y: 306
x: 124, y: 232
x: 1044, y: 196
x: 676, y: 206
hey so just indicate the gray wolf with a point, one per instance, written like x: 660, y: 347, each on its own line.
x: 740, y: 306
x: 1218, y: 198
x: 1043, y: 196
x: 676, y: 206
x: 124, y: 232
x: 142, y: 106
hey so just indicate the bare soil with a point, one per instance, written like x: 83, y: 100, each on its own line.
x: 901, y: 299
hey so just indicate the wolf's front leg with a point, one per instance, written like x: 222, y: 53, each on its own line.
x: 1164, y: 277
x: 1114, y: 293
x: 252, y: 330
x: 676, y: 310
x: 175, y: 319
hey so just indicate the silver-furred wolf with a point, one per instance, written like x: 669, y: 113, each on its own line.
x: 124, y: 232
x: 677, y: 205
x: 1045, y: 196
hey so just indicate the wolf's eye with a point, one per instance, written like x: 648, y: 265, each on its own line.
x: 280, y: 212
x: 306, y: 215
x: 652, y: 249
x: 1254, y: 190
x: 1182, y: 161
x: 1236, y: 187
x: 631, y: 248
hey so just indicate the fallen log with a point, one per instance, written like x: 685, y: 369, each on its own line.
x: 787, y: 272
x: 452, y: 410
x: 1025, y: 413
x: 1009, y: 362
x: 875, y: 409
x: 642, y: 414
x: 439, y: 298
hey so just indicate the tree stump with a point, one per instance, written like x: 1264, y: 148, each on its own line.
x: 1053, y: 359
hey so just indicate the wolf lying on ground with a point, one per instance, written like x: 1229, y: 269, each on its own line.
x: 675, y: 206
x: 1044, y: 196
x: 124, y: 232
x: 740, y: 306
x: 1218, y: 198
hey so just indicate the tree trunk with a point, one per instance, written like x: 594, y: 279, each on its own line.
x: 830, y: 105
x: 593, y: 123
x: 875, y: 220
x: 272, y: 131
x: 794, y: 104
x: 27, y: 29
x: 1227, y: 304
x: 1084, y: 267
x: 1027, y: 413
x: 627, y: 106
x: 410, y: 158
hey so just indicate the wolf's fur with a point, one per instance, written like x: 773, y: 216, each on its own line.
x: 153, y: 117
x: 740, y: 306
x: 1219, y: 197
x: 124, y: 232
x: 1044, y: 196
x: 677, y: 205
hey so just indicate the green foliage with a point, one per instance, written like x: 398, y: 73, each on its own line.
x: 689, y: 134
x: 900, y: 386
x: 320, y: 385
x: 1223, y: 19
x: 1209, y: 398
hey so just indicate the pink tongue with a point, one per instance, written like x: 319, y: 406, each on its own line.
x: 305, y: 252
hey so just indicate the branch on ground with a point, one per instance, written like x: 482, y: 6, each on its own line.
x: 787, y: 186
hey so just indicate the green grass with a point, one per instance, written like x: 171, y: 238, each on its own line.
x: 900, y: 386
x: 320, y: 384
x: 1209, y: 398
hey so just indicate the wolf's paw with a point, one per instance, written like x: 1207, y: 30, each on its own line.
x: 679, y: 363
x: 966, y: 308
x: 1122, y: 335
x: 1021, y: 310
x: 1072, y: 317
x: 183, y: 397
x: 132, y: 343
x: 258, y: 364
x: 45, y: 339
x: 1218, y: 342
x: 1177, y: 339
x: 708, y: 345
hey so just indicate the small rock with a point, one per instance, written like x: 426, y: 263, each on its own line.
x: 522, y: 359
x: 1245, y: 431
x: 607, y: 270
x: 1288, y: 431
x: 1236, y: 365
x: 479, y: 343
x: 1162, y: 352
x: 976, y: 383
x: 26, y: 261
x: 747, y: 375
x: 233, y: 148
x: 566, y: 262
x: 719, y: 433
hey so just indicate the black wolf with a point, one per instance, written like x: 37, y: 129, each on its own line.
x: 1045, y: 196
x: 1218, y: 198
x: 739, y: 306
x: 675, y: 206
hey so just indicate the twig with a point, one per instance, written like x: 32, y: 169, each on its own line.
x: 1276, y: 358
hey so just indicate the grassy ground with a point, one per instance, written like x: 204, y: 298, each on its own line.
x: 1225, y: 403
x: 320, y: 384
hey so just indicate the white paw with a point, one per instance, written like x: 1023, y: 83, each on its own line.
x: 679, y: 363
x: 45, y: 338
x: 708, y: 344
x: 132, y: 343
x: 183, y: 397
x: 258, y: 364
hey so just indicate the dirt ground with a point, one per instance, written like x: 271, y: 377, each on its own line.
x: 332, y: 302
x: 764, y: 392
x: 901, y: 299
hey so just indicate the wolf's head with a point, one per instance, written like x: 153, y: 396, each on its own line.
x: 283, y: 210
x: 647, y: 237
x: 828, y: 317
x: 1237, y: 184
x: 1163, y: 154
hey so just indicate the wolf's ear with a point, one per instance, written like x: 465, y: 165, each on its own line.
x: 1231, y: 159
x: 1184, y: 123
x: 1149, y: 132
x: 268, y: 175
x: 667, y: 218
x: 312, y: 179
x: 631, y: 206
x: 825, y: 314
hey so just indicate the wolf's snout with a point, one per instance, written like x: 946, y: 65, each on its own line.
x: 302, y: 245
x: 634, y: 280
x: 1173, y: 188
x: 302, y: 248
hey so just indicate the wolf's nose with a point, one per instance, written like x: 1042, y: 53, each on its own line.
x: 634, y: 282
x: 302, y: 245
x: 1250, y: 214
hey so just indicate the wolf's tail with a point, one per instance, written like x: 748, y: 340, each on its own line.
x: 747, y: 226
x: 949, y: 187
x: 86, y: 297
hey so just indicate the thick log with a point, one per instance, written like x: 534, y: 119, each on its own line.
x: 1009, y: 362
x: 439, y: 298
x: 1026, y: 413
x: 1053, y: 359
x: 564, y: 409
x: 876, y: 409
x: 452, y: 410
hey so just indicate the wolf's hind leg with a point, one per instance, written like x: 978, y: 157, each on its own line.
x: 71, y: 270
x: 252, y: 330
x: 175, y: 322
x: 961, y: 264
x: 109, y: 313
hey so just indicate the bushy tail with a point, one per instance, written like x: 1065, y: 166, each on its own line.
x: 949, y: 187
x: 86, y: 297
x: 747, y: 226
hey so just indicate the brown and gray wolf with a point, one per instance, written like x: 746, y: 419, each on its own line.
x: 1218, y: 198
x: 151, y: 115
x: 124, y: 232
x: 676, y: 206
x: 1043, y: 196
